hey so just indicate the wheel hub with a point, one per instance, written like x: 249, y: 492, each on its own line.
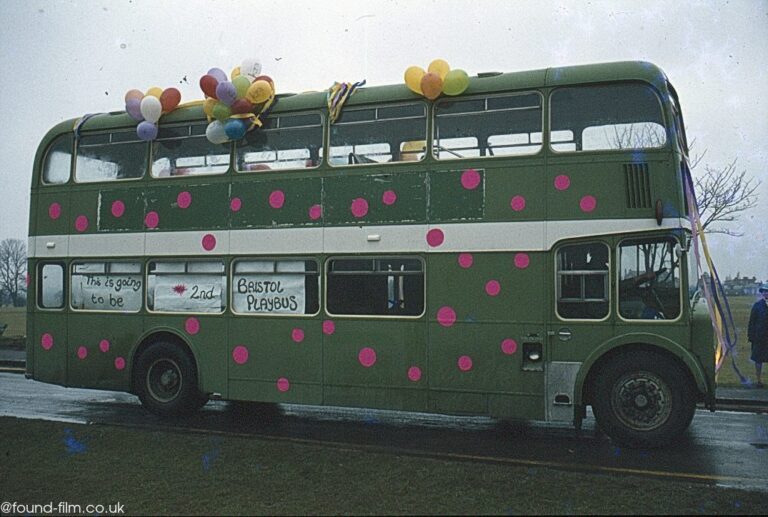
x: 641, y: 400
x: 164, y: 380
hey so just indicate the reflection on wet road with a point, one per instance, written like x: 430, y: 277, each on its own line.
x: 726, y: 448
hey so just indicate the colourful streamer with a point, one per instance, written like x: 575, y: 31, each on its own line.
x: 338, y: 95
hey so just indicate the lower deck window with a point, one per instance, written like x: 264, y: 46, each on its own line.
x: 107, y: 286
x: 376, y: 286
x: 186, y: 286
x: 649, y: 280
x: 275, y: 287
x: 582, y: 281
x: 50, y: 286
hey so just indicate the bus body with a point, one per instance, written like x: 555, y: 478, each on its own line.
x: 520, y: 251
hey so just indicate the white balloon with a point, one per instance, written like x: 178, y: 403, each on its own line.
x: 215, y: 132
x: 251, y: 67
x: 151, y: 108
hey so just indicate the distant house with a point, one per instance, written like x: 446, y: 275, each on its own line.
x: 740, y: 286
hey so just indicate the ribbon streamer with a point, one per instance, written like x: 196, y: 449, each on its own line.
x: 338, y: 95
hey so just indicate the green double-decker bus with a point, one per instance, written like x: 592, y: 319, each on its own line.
x: 521, y: 251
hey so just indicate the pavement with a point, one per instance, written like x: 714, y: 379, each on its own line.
x: 12, y: 358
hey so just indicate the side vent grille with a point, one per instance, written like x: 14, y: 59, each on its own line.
x: 638, y: 185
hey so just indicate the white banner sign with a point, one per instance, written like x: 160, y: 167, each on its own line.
x: 272, y: 293
x: 107, y: 292
x: 188, y: 293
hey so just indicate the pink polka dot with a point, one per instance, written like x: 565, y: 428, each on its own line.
x: 104, y: 345
x: 359, y: 207
x: 509, y: 346
x: 283, y: 384
x: 588, y: 203
x: 240, y: 354
x: 46, y: 341
x: 446, y: 316
x: 389, y: 197
x: 208, y: 242
x: 466, y: 260
x: 297, y: 335
x: 492, y: 287
x: 414, y: 373
x: 192, y: 326
x: 82, y: 352
x: 54, y: 211
x: 435, y: 237
x: 235, y: 204
x: 465, y: 363
x: 27, y: 279
x: 118, y: 208
x: 329, y: 327
x: 119, y: 363
x: 315, y: 212
x: 367, y: 357
x: 470, y: 179
x: 517, y: 203
x: 277, y: 199
x: 152, y: 220
x: 81, y: 223
x: 562, y: 182
x: 184, y: 199
x: 522, y: 260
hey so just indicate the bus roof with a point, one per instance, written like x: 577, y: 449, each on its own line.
x: 482, y: 83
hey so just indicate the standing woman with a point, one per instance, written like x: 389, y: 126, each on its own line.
x: 758, y: 332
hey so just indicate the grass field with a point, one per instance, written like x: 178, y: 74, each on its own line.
x: 163, y: 472
x: 16, y: 319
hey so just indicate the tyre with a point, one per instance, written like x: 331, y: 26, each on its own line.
x: 166, y: 381
x: 643, y: 399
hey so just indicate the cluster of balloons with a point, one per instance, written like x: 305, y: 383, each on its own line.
x: 439, y: 78
x: 234, y: 103
x: 147, y: 108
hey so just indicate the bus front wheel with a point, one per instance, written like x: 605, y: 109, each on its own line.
x: 643, y: 399
x: 166, y: 381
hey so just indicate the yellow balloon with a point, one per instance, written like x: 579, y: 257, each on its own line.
x: 439, y: 67
x: 235, y: 73
x: 208, y: 105
x: 259, y: 92
x: 155, y: 91
x: 413, y: 75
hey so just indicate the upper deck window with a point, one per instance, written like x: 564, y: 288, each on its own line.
x: 488, y: 126
x: 606, y: 117
x: 185, y: 151
x: 283, y: 142
x: 58, y: 161
x: 389, y: 133
x: 118, y: 155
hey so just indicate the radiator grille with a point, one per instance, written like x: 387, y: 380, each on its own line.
x: 638, y: 185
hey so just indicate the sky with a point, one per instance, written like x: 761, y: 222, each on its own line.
x: 63, y: 59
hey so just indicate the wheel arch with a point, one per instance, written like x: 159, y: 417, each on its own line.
x: 156, y: 335
x: 638, y: 341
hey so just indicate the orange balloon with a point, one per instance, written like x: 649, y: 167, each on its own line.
x: 431, y: 85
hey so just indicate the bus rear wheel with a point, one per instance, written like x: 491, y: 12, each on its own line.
x: 166, y: 381
x: 642, y: 399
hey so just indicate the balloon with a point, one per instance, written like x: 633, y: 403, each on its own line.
x: 226, y: 92
x: 215, y: 132
x: 250, y: 67
x: 170, y: 99
x: 265, y: 78
x: 413, y: 76
x: 133, y: 94
x: 218, y: 74
x: 431, y: 85
x: 235, y: 128
x: 440, y: 67
x: 151, y: 108
x: 234, y: 73
x: 146, y: 130
x: 133, y: 107
x: 208, y: 84
x: 155, y: 92
x: 241, y: 106
x: 259, y: 91
x: 456, y: 81
x: 221, y: 111
x: 208, y: 105
x: 242, y: 83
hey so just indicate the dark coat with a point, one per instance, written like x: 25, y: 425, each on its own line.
x: 758, y: 331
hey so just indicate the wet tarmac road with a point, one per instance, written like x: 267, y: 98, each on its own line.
x: 723, y: 448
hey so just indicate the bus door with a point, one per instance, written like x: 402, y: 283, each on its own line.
x: 580, y: 319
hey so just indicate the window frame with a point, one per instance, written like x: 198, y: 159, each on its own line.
x: 147, y: 272
x: 44, y: 164
x: 608, y: 279
x: 110, y: 132
x: 327, y: 274
x: 189, y: 125
x: 39, y: 286
x: 106, y: 263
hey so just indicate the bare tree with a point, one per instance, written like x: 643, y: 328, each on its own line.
x: 723, y: 195
x: 13, y: 266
